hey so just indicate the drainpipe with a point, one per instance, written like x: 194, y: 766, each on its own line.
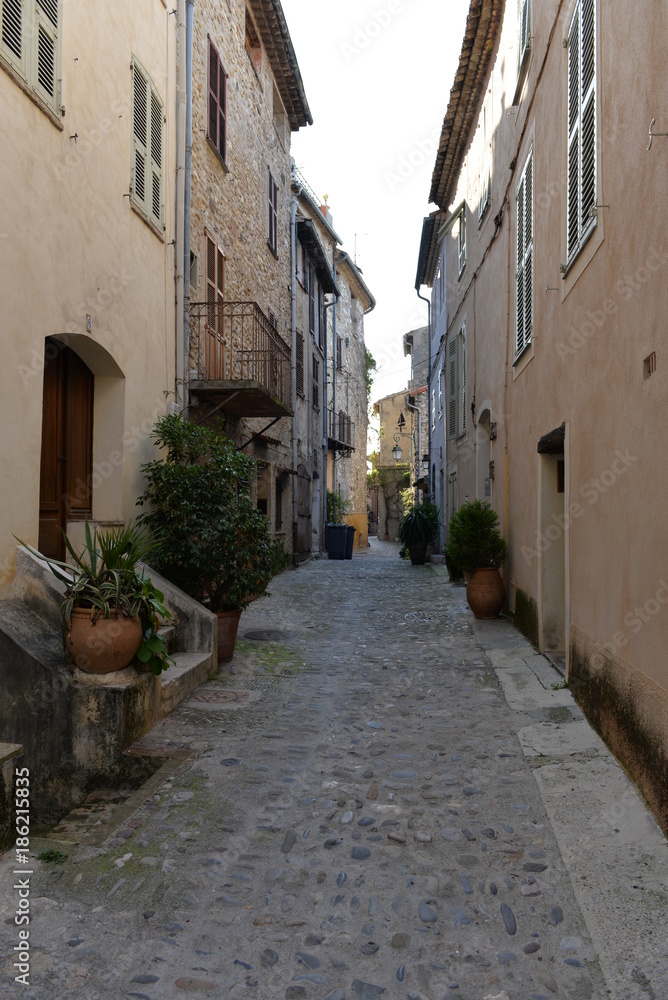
x: 186, y: 198
x: 179, y: 362
x: 432, y: 486
x: 293, y: 365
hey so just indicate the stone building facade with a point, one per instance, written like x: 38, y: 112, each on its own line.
x: 545, y: 260
x: 248, y: 97
x: 331, y: 299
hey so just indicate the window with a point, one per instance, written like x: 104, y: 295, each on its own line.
x: 316, y: 383
x: 253, y: 47
x: 485, y: 158
x: 433, y: 409
x: 339, y: 353
x: 278, y: 520
x: 461, y: 241
x: 215, y: 285
x: 440, y: 394
x: 30, y: 43
x: 273, y: 215
x: 524, y: 40
x: 311, y: 300
x: 456, y: 418
x: 299, y: 376
x: 581, y: 213
x: 281, y: 123
x: 321, y: 318
x: 524, y: 275
x: 146, y: 186
x: 217, y: 130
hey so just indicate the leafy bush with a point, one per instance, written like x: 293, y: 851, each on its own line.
x: 337, y: 507
x: 419, y: 525
x: 208, y: 536
x: 474, y: 539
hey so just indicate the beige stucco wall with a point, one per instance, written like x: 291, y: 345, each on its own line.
x: 72, y: 246
x: 604, y: 551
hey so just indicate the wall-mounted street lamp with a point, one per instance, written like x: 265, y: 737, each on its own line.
x: 396, y: 451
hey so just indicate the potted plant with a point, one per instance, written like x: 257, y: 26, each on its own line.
x: 476, y: 546
x: 208, y: 536
x: 111, y: 612
x: 417, y: 529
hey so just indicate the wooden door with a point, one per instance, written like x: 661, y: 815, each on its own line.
x: 67, y: 446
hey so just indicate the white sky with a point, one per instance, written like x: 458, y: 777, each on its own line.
x: 377, y: 75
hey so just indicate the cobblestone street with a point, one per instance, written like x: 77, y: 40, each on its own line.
x: 385, y: 798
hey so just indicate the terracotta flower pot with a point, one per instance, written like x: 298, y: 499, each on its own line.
x: 102, y: 645
x: 485, y: 592
x: 228, y: 624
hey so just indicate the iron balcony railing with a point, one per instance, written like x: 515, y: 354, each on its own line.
x: 341, y: 430
x: 235, y: 342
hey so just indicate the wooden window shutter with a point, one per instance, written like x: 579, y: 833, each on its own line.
x: 47, y: 51
x: 339, y: 353
x: 462, y: 360
x: 156, y: 159
x: 217, y: 119
x: 300, y: 364
x: 316, y: 384
x: 147, y: 129
x: 311, y: 300
x: 433, y: 409
x: 321, y: 318
x: 519, y: 283
x: 452, y: 388
x: 524, y: 33
x: 273, y: 213
x: 12, y: 31
x: 140, y: 136
x: 581, y: 180
x: 215, y: 284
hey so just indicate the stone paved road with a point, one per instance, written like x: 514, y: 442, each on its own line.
x: 361, y: 817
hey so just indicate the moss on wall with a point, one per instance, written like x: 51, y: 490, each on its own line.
x: 526, y: 616
x: 604, y: 694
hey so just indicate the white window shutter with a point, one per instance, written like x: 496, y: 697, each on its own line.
x: 524, y: 274
x: 524, y: 32
x: 582, y: 128
x: 13, y: 25
x: 156, y: 160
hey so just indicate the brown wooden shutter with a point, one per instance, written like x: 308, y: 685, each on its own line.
x: 299, y: 377
x: 214, y: 78
x: 339, y: 353
x: 316, y: 384
x: 311, y: 300
x: 78, y: 438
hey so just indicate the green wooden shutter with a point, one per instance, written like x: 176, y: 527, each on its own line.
x: 452, y: 388
x: 12, y: 32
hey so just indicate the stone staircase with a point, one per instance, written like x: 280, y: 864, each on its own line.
x: 75, y: 727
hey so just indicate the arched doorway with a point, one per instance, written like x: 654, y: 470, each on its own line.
x: 67, y: 445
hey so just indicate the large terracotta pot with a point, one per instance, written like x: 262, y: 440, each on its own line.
x: 485, y: 592
x: 228, y: 624
x: 101, y: 645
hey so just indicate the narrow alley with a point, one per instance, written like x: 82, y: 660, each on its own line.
x: 386, y: 798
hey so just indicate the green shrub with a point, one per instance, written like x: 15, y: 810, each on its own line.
x: 419, y: 525
x: 474, y: 539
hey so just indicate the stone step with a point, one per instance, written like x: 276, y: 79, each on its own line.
x: 189, y: 671
x: 168, y: 634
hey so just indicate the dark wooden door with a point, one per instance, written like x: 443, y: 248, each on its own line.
x: 304, y: 537
x: 67, y: 446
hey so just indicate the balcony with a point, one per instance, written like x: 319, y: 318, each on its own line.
x: 238, y: 360
x: 341, y: 431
